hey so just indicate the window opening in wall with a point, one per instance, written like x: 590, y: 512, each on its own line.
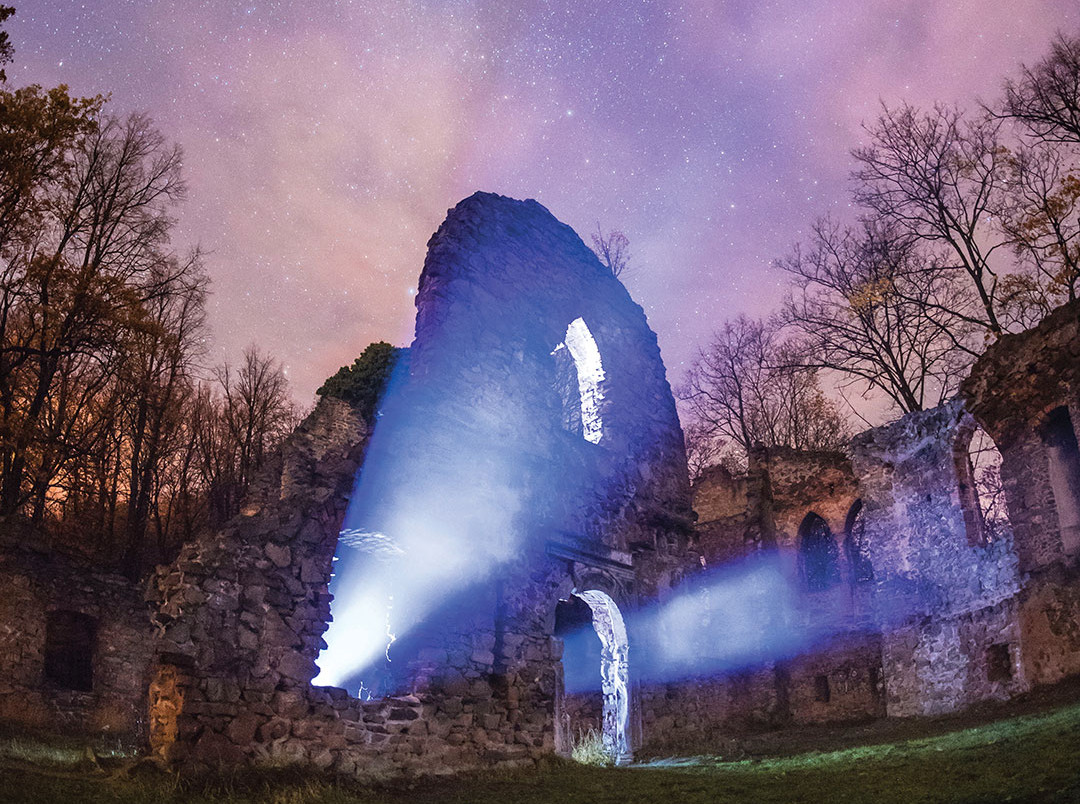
x: 822, y: 693
x: 818, y: 554
x: 606, y: 622
x: 873, y: 676
x: 566, y: 384
x: 998, y: 663
x: 69, y: 650
x: 982, y: 497
x: 1063, y: 467
x: 858, y: 555
x: 579, y: 378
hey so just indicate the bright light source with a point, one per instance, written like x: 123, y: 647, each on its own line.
x: 590, y: 373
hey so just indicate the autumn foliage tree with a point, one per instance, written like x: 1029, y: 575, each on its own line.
x: 969, y: 227
x: 113, y: 436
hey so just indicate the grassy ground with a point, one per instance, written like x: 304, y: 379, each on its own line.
x: 1030, y: 752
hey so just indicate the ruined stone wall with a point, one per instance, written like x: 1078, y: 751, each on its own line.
x: 795, y: 485
x: 948, y: 662
x: 1049, y: 624
x: 695, y: 714
x: 938, y: 627
x: 841, y: 681
x: 800, y: 482
x: 33, y: 587
x: 502, y: 283
x: 721, y: 504
x: 719, y: 495
x: 1011, y: 389
x: 931, y: 584
x: 480, y: 423
x: 242, y: 613
x: 837, y: 681
x: 1014, y: 390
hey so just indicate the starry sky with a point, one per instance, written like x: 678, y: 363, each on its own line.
x: 324, y: 140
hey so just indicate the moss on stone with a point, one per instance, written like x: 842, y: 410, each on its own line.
x: 363, y: 383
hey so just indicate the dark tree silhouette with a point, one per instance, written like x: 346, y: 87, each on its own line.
x: 613, y: 249
x: 1046, y: 98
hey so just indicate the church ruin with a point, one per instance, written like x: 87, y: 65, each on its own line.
x: 536, y: 433
x: 524, y: 496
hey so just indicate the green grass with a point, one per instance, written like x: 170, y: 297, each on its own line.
x: 1031, y: 758
x: 589, y: 749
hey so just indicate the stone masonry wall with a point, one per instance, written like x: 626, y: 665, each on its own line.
x: 31, y: 587
x: 1012, y: 387
x: 241, y: 612
x: 1012, y: 390
x: 931, y: 585
x: 479, y: 422
x: 840, y: 681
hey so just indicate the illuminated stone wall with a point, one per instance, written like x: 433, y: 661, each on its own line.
x: 600, y: 502
x: 504, y: 285
x: 241, y: 611
x: 1025, y: 391
x: 941, y: 602
x: 936, y: 628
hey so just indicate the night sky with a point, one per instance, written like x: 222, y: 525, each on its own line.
x: 325, y: 140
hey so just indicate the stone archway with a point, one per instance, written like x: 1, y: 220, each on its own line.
x: 614, y: 671
x: 472, y: 475
x: 607, y: 622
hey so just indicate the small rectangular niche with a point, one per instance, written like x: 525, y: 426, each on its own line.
x: 822, y: 692
x: 69, y: 650
x: 999, y: 668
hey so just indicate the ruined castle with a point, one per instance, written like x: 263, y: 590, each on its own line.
x: 549, y: 374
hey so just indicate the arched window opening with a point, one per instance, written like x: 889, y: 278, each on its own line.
x: 594, y: 637
x: 982, y: 497
x: 69, y: 650
x: 1063, y: 465
x: 579, y: 374
x: 858, y: 554
x: 818, y: 555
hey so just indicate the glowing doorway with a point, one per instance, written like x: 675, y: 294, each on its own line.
x: 614, y: 676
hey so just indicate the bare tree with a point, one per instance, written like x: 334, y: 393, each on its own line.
x: 859, y: 301
x: 158, y: 373
x: 703, y: 449
x: 613, y: 249
x: 746, y: 389
x: 80, y: 276
x: 1046, y: 99
x: 934, y: 175
x: 257, y: 413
